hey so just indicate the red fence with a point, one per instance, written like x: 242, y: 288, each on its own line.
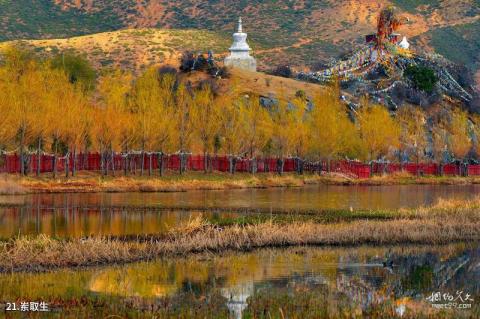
x: 93, y: 162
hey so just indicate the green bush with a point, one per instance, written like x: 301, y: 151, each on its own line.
x: 422, y: 77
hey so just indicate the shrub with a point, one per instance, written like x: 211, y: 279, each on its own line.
x: 186, y: 61
x: 422, y: 77
x: 283, y: 71
x: 167, y: 69
x: 78, y: 69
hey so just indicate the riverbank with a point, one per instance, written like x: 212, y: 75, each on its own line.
x: 446, y: 222
x: 88, y: 182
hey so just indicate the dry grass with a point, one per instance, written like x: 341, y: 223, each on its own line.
x: 448, y: 221
x: 400, y: 178
x: 92, y: 182
x: 10, y: 185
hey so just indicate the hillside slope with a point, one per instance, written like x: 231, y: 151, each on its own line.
x: 298, y: 32
x: 131, y: 49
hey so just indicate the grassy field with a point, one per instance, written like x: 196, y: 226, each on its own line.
x: 446, y: 222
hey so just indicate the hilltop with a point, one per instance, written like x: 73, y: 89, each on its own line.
x: 301, y: 32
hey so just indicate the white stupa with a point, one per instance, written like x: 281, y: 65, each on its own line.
x: 240, y: 52
x: 404, y: 44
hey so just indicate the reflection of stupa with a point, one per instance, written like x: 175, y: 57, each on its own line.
x: 237, y: 298
x: 240, y: 52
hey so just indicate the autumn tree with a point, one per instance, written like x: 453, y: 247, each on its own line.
x: 77, y: 124
x: 440, y: 138
x: 379, y: 132
x: 460, y: 136
x: 206, y: 120
x: 283, y: 115
x: 460, y: 139
x: 232, y: 129
x: 300, y: 132
x: 23, y: 100
x: 165, y: 117
x: 257, y: 128
x: 184, y: 128
x: 413, y: 134
x: 332, y: 133
x: 147, y: 100
x: 114, y: 90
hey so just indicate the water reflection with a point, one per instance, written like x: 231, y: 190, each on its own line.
x: 353, y: 274
x: 310, y: 197
x: 79, y: 222
x: 77, y: 215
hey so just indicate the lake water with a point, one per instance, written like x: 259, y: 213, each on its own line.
x: 77, y: 215
x: 233, y: 284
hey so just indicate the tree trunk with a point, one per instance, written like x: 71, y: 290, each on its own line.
x: 22, y: 152
x: 39, y: 159
x: 112, y: 154
x: 418, y: 166
x: 125, y: 164
x: 205, y: 162
x: 67, y: 162
x: 254, y: 167
x: 106, y: 163
x: 183, y: 162
x: 232, y: 163
x: 150, y: 167
x: 160, y: 163
x: 85, y: 160
x: 142, y: 165
x: 74, y: 163
x: 55, y: 161
x: 280, y: 164
x: 102, y: 170
x: 300, y: 166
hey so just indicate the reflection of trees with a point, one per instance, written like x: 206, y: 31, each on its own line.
x: 352, y: 274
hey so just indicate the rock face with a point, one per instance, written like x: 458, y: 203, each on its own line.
x: 240, y: 52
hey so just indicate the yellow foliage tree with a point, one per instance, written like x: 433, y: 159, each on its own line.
x: 378, y: 131
x: 232, y: 130
x: 256, y: 129
x: 283, y: 133
x: 460, y: 140
x: 332, y: 133
x: 206, y: 120
x: 413, y: 135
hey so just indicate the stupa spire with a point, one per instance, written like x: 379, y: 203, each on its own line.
x: 240, y: 28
